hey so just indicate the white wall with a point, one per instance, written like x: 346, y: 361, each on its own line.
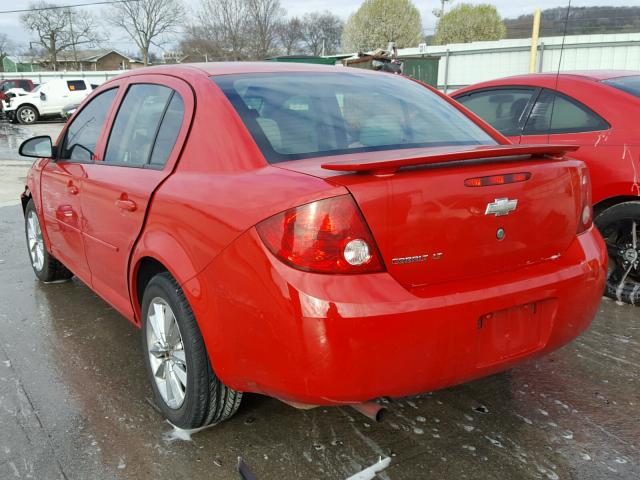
x: 470, y: 63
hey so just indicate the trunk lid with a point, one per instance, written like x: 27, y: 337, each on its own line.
x: 430, y: 227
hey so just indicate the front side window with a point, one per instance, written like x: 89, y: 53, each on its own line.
x: 301, y: 115
x: 504, y: 108
x: 136, y: 125
x: 554, y: 113
x: 82, y: 135
x: 76, y: 85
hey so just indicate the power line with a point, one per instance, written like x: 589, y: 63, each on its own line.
x: 56, y: 7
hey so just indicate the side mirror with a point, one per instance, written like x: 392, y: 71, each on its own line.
x: 37, y: 147
x: 43, y: 97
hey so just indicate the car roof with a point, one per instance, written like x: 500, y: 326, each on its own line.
x: 544, y: 79
x: 595, y: 75
x: 230, y: 68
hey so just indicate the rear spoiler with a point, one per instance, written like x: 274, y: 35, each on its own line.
x: 474, y: 153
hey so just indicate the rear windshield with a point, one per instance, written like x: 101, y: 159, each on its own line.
x: 629, y: 84
x: 301, y: 115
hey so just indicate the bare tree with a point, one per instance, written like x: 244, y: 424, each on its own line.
x: 290, y: 35
x: 321, y: 32
x: 147, y: 22
x: 264, y: 19
x: 6, y: 47
x: 225, y: 21
x: 199, y: 46
x: 58, y: 29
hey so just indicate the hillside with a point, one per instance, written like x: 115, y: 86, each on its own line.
x: 582, y: 20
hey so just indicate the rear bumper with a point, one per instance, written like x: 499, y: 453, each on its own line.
x: 323, y: 339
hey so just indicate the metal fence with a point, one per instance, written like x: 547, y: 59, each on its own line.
x: 467, y: 63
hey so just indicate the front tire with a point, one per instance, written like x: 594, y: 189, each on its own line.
x: 46, y: 267
x: 27, y: 115
x: 620, y: 228
x: 186, y: 389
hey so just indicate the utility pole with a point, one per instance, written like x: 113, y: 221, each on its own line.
x: 535, y: 33
x: 73, y: 40
x: 440, y: 12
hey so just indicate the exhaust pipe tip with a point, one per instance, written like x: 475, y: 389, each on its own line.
x: 371, y: 410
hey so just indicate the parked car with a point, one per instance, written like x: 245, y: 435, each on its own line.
x: 10, y: 83
x: 68, y: 110
x: 598, y: 112
x: 47, y: 100
x: 325, y: 236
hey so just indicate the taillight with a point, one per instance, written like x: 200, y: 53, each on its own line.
x: 586, y: 211
x: 326, y: 236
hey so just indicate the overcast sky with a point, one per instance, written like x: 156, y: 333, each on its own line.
x: 10, y: 23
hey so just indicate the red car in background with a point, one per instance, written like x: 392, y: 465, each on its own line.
x: 9, y: 83
x: 597, y: 111
x: 322, y: 235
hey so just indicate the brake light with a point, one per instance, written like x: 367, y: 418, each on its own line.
x: 497, y: 179
x: 586, y: 211
x: 326, y: 236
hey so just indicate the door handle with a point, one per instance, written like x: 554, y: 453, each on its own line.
x: 125, y: 204
x: 72, y: 189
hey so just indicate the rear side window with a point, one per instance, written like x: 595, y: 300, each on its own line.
x: 301, y: 115
x: 83, y: 133
x: 76, y: 85
x: 168, y: 133
x: 630, y: 84
x: 554, y: 113
x: 504, y: 109
x: 136, y: 124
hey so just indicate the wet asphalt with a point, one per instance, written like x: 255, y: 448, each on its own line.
x: 75, y: 403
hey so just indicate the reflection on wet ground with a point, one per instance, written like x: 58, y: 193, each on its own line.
x: 74, y: 398
x: 12, y: 135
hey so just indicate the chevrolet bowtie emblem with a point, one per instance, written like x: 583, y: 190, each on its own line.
x: 501, y: 206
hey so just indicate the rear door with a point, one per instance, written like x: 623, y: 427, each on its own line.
x: 141, y: 150
x: 504, y: 108
x: 61, y: 184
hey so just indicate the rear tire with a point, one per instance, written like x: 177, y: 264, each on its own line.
x: 27, y: 115
x: 620, y: 228
x: 46, y: 267
x: 187, y: 391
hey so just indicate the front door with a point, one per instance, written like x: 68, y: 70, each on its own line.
x: 504, y: 108
x: 61, y: 184
x: 142, y: 148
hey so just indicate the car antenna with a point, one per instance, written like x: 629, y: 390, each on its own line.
x: 553, y: 101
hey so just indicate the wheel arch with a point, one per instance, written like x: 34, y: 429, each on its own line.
x: 154, y: 253
x: 602, y: 205
x: 26, y: 104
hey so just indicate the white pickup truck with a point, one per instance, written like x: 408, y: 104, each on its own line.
x: 47, y: 100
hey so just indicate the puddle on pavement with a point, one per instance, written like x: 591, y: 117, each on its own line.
x: 12, y: 135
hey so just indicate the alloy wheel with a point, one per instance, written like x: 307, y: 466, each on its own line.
x: 27, y: 115
x: 623, y: 246
x: 36, y: 243
x: 166, y: 353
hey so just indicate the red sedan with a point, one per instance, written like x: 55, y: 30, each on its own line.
x: 597, y: 111
x: 325, y: 236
